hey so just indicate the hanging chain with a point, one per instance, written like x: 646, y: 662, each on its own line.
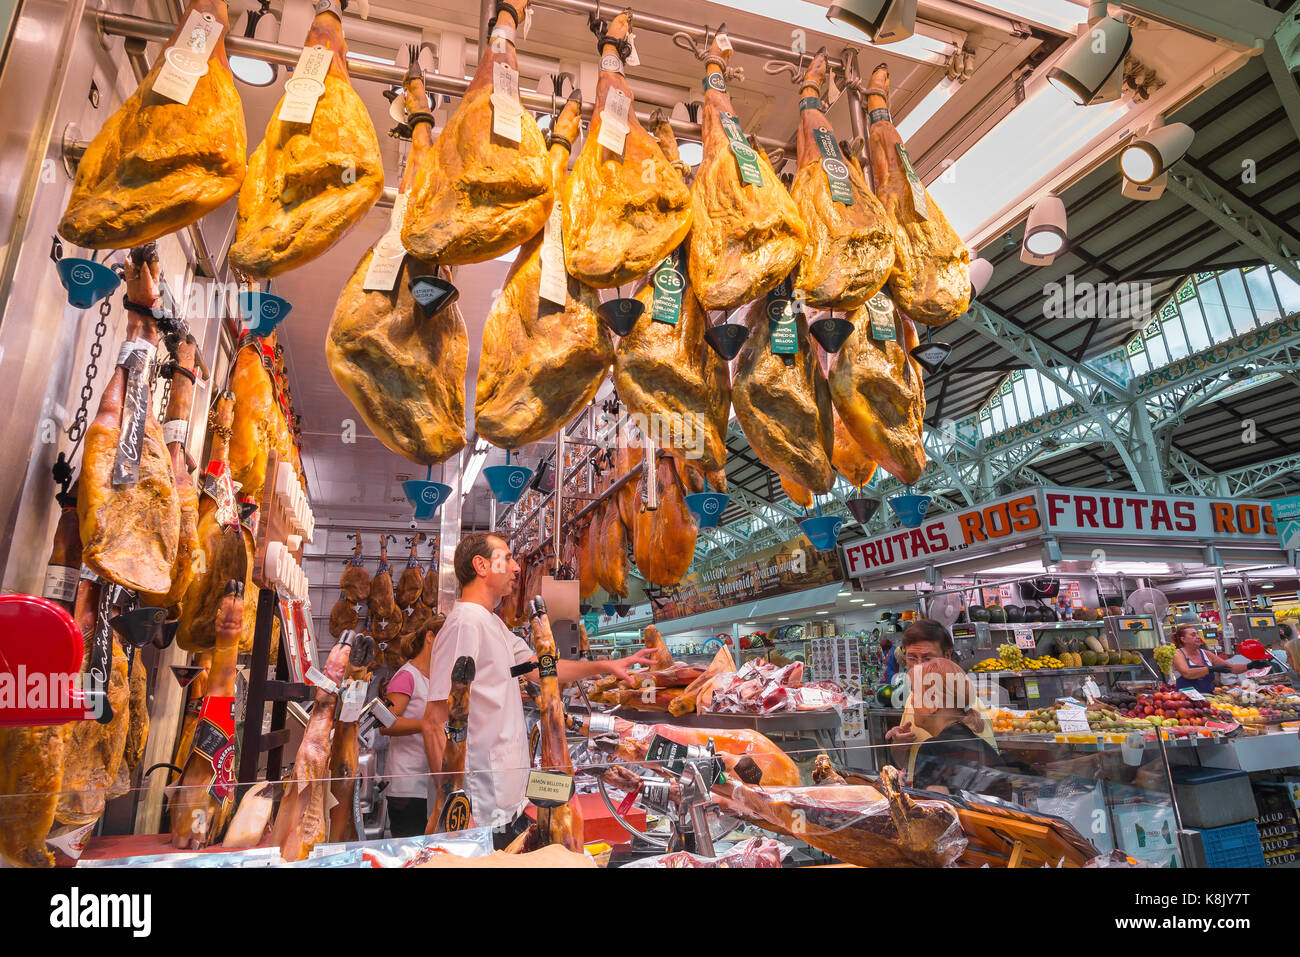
x: 78, y: 427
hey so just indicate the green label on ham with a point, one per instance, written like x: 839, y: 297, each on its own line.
x: 784, y: 336
x: 881, y: 310
x: 837, y: 171
x: 746, y: 158
x: 669, y: 284
x: 918, y: 191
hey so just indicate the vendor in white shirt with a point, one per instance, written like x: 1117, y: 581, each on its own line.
x: 497, y: 758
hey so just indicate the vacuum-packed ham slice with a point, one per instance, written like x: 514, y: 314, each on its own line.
x: 308, y: 183
x: 931, y: 277
x: 850, y: 249
x: 748, y: 234
x: 402, y: 369
x: 157, y: 165
x: 549, y: 318
x: 879, y: 394
x: 625, y: 212
x: 481, y: 192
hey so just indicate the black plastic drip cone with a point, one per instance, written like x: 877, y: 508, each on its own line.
x: 931, y: 355
x: 140, y: 626
x: 726, y: 339
x: 433, y: 294
x: 831, y: 332
x: 863, y: 509
x: 621, y: 314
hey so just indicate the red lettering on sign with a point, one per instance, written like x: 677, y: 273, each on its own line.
x: 1024, y: 516
x: 1085, y: 512
x: 1138, y: 504
x: 918, y: 543
x: 1160, y: 516
x: 938, y: 537
x: 1248, y: 519
x: 1223, y: 519
x: 1056, y: 507
x: 997, y: 521
x: 1269, y: 527
x: 1112, y: 512
x: 869, y: 555
x: 972, y: 530
x: 1185, y: 512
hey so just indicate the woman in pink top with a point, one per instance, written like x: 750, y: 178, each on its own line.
x: 406, y: 768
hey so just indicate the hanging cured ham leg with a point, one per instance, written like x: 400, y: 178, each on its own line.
x: 157, y: 165
x: 663, y: 540
x: 486, y: 185
x: 253, y: 426
x: 221, y: 541
x: 451, y: 809
x: 345, y: 753
x: 879, y: 394
x: 303, y: 819
x: 129, y: 513
x: 401, y: 368
x: 315, y: 174
x: 785, y: 408
x: 850, y: 248
x: 747, y: 233
x: 624, y: 210
x: 563, y: 824
x: 931, y: 277
x: 205, y: 792
x: 568, y: 348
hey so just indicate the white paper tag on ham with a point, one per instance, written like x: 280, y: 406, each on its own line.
x: 186, y: 61
x: 555, y: 281
x: 724, y: 43
x: 507, y: 114
x: 388, y: 254
x: 354, y: 699
x: 304, y: 89
x: 632, y: 58
x: 613, y: 121
x: 175, y: 431
x: 321, y: 680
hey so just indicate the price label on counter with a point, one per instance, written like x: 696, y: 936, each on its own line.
x: 1193, y: 694
x: 1073, y: 720
x: 1031, y: 688
x: 548, y: 788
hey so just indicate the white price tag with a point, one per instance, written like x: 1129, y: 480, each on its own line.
x: 613, y: 121
x: 1024, y: 636
x: 1072, y: 720
x: 304, y: 89
x: 724, y: 43
x: 185, y: 62
x: 61, y: 583
x: 175, y: 430
x: 382, y: 714
x: 1193, y: 694
x: 388, y: 254
x: 354, y: 700
x: 321, y: 680
x: 502, y: 36
x: 527, y: 24
x: 555, y: 280
x: 507, y: 114
x: 632, y: 58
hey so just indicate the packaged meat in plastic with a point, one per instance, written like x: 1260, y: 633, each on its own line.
x: 858, y: 824
x: 790, y: 675
x: 403, y: 851
x: 775, y: 698
x: 808, y: 698
x: 755, y: 852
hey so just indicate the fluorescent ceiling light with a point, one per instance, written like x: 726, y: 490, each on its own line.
x: 1063, y: 15
x: 259, y: 24
x: 869, y: 604
x: 1032, y: 142
x: 690, y: 153
x: 823, y: 612
x: 783, y: 619
x: 929, y: 44
x: 921, y: 114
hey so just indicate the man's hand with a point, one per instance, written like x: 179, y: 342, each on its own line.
x: 619, y: 667
x: 903, y: 734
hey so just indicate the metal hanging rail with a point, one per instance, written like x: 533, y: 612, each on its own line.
x: 124, y: 25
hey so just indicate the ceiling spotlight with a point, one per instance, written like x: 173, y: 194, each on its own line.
x: 981, y: 271
x: 1151, y: 154
x: 883, y: 21
x: 1091, y: 69
x: 258, y: 25
x: 1044, y: 232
